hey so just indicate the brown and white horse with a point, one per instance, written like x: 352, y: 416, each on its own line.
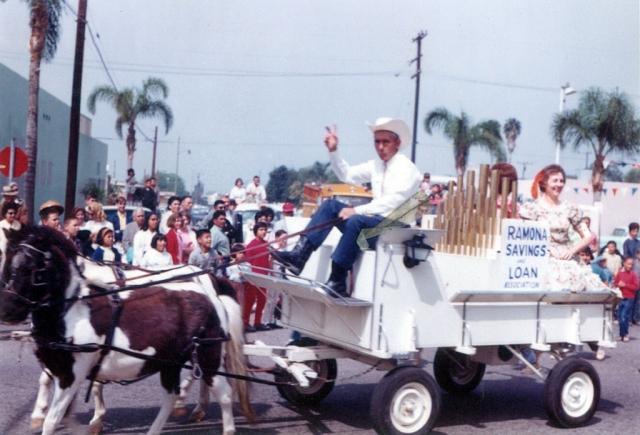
x: 160, y: 321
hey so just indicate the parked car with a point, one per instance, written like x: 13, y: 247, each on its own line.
x: 619, y: 235
x: 111, y: 210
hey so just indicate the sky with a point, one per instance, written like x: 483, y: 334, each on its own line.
x: 254, y: 83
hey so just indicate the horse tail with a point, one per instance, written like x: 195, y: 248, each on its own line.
x: 236, y: 361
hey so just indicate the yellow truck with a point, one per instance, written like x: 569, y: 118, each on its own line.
x: 315, y: 194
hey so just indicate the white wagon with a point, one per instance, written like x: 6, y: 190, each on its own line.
x: 451, y: 302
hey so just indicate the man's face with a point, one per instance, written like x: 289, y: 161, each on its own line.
x: 256, y: 180
x: 220, y: 221
x: 153, y: 182
x: 147, y: 184
x: 138, y: 217
x: 187, y: 204
x: 90, y: 200
x: 386, y: 144
x: 221, y: 207
x: 633, y: 233
x: 72, y: 228
x: 52, y: 220
x: 121, y: 205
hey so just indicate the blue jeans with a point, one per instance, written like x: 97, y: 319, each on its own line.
x: 347, y: 249
x: 624, y: 315
x: 635, y: 312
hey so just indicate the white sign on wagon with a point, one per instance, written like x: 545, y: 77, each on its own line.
x: 524, y: 255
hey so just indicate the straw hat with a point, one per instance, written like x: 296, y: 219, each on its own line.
x: 396, y: 126
x: 56, y: 206
x: 10, y: 190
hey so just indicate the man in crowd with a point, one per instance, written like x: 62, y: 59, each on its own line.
x: 132, y: 228
x: 120, y: 220
x: 50, y: 213
x: 219, y: 240
x: 207, y: 222
x: 149, y: 197
x: 89, y: 198
x: 393, y: 177
x: 255, y: 192
x: 10, y: 194
x: 71, y: 230
x: 186, y: 204
x: 287, y: 211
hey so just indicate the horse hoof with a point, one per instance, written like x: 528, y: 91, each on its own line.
x: 179, y: 411
x: 196, y: 417
x: 95, y: 428
x: 36, y: 424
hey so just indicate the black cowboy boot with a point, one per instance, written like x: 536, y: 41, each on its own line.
x: 295, y: 259
x: 338, y: 281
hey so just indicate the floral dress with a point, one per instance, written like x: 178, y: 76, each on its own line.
x: 562, y: 274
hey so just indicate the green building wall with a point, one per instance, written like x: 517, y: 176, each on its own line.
x: 53, y: 141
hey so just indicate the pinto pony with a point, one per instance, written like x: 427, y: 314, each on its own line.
x: 156, y: 328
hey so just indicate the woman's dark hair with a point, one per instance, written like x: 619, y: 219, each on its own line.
x: 154, y: 240
x: 145, y: 225
x: 102, y: 232
x: 505, y: 170
x: 171, y: 200
x: 268, y: 211
x: 75, y: 210
x: 9, y: 206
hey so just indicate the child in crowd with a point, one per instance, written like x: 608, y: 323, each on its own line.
x: 157, y: 257
x: 203, y: 256
x: 273, y: 295
x: 627, y: 281
x: 235, y: 273
x: 586, y: 256
x: 258, y: 248
x: 105, y: 250
x: 599, y: 267
x: 613, y: 256
x: 632, y: 244
x: 635, y: 317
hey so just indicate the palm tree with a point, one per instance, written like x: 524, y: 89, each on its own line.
x: 44, y: 21
x: 133, y: 103
x: 511, y: 130
x: 485, y: 134
x: 603, y: 122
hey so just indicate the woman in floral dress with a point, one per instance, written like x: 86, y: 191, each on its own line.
x: 565, y: 271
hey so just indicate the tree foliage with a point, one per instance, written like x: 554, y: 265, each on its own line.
x: 604, y: 123
x: 613, y: 173
x: 511, y: 129
x: 133, y: 103
x: 287, y: 185
x: 465, y: 135
x: 632, y: 176
x: 167, y: 182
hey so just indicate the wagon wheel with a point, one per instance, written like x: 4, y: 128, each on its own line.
x: 318, y: 389
x: 405, y: 402
x: 572, y: 392
x: 456, y: 373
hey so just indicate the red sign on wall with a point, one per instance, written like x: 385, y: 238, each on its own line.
x: 20, y: 162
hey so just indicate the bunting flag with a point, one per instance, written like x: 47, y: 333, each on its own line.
x: 604, y: 191
x: 633, y: 190
x: 624, y: 191
x: 606, y: 163
x: 586, y: 189
x: 576, y: 190
x: 614, y: 190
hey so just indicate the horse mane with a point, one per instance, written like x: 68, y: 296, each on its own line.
x: 53, y: 238
x: 223, y: 286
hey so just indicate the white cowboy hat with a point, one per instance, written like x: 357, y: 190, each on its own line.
x: 396, y: 126
x: 10, y: 190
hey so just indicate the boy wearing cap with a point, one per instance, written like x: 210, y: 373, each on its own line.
x: 393, y: 177
x: 50, y: 213
x: 287, y: 211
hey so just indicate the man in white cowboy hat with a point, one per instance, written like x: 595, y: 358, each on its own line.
x: 393, y: 177
x: 10, y: 193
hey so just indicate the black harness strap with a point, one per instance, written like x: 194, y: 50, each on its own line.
x: 116, y: 310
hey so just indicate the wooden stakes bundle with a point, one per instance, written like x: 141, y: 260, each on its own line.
x: 470, y: 213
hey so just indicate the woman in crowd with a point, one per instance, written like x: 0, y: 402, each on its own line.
x: 157, y: 256
x: 79, y: 214
x: 238, y: 192
x: 188, y: 236
x: 105, y: 250
x: 174, y: 241
x: 21, y: 215
x: 9, y: 213
x: 565, y: 272
x: 173, y: 206
x: 142, y: 239
x: 97, y: 221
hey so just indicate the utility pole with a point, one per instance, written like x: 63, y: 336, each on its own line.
x: 524, y: 168
x: 74, y: 125
x: 417, y: 39
x: 153, y: 162
x: 177, y: 163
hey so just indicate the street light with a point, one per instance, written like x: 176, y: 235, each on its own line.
x: 564, y: 91
x: 177, y: 164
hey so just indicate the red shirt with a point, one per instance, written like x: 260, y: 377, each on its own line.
x: 630, y: 280
x: 257, y: 247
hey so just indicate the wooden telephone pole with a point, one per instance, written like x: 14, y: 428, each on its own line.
x: 417, y: 39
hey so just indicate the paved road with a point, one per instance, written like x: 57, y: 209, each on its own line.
x: 506, y: 402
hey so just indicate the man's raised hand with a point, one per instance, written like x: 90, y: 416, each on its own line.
x: 331, y: 138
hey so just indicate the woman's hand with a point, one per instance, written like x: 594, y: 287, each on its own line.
x: 568, y: 254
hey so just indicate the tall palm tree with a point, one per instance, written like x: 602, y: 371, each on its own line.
x: 133, y: 103
x: 485, y: 134
x: 604, y: 123
x: 511, y: 130
x: 44, y: 20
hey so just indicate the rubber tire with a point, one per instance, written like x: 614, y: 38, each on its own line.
x: 405, y: 385
x: 580, y: 377
x: 449, y: 375
x: 318, y: 390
